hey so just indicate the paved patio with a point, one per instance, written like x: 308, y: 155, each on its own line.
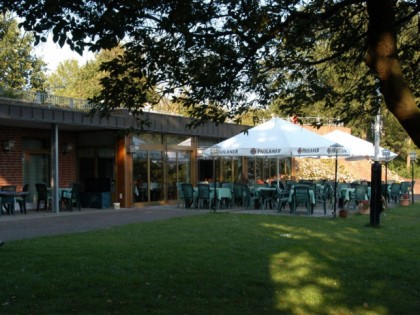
x: 43, y: 223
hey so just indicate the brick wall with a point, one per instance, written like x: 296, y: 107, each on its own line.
x: 11, y: 167
x: 11, y: 163
x: 67, y: 163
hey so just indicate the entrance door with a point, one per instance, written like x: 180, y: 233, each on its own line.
x: 36, y: 169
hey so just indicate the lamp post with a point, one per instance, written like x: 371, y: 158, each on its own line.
x: 413, y: 157
x: 335, y: 149
x: 386, y: 153
x: 213, y: 152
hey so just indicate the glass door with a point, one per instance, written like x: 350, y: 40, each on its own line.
x: 36, y: 169
x: 155, y: 174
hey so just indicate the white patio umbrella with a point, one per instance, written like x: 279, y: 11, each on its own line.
x: 359, y: 149
x: 274, y: 138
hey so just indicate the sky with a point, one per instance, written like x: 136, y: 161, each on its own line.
x: 53, y: 54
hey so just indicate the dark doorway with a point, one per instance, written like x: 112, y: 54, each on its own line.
x: 205, y: 170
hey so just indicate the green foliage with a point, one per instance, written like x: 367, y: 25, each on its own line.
x: 220, y: 264
x: 72, y: 80
x: 222, y: 59
x: 18, y: 68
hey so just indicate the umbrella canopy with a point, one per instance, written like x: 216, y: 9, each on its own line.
x: 274, y: 138
x: 359, y: 149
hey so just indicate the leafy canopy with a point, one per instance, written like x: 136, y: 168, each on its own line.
x: 19, y: 69
x: 223, y: 58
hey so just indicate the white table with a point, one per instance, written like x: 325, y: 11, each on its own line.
x: 221, y: 193
x: 345, y: 192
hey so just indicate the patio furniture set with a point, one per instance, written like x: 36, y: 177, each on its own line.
x: 9, y: 197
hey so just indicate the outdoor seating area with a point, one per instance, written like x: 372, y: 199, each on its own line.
x: 291, y: 197
x: 10, y: 198
x: 262, y: 197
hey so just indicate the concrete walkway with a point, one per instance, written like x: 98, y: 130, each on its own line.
x: 42, y: 223
x: 34, y: 224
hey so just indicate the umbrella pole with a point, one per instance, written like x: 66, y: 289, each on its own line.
x: 214, y: 183
x: 335, y: 185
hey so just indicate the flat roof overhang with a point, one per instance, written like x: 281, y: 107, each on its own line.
x: 23, y: 114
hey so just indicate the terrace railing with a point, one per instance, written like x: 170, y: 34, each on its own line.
x: 49, y: 100
x: 45, y: 99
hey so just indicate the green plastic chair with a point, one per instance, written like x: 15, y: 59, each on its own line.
x: 8, y: 203
x: 395, y: 192
x: 73, y: 197
x: 238, y: 195
x: 359, y: 194
x: 203, y: 196
x: 301, y: 197
x: 42, y: 196
x: 22, y: 200
x: 188, y: 193
x: 282, y: 198
x: 250, y: 197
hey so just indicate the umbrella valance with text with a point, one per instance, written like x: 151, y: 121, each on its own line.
x: 359, y: 149
x: 274, y: 138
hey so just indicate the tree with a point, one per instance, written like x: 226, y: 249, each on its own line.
x: 223, y: 58
x: 64, y: 80
x: 81, y: 81
x: 18, y: 68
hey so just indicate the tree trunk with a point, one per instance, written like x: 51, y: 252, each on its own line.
x: 382, y: 58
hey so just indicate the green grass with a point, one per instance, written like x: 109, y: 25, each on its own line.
x: 221, y: 264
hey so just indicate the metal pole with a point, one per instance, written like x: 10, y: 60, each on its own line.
x: 386, y: 181
x: 55, y: 203
x: 335, y: 185
x: 412, y: 181
x: 335, y: 148
x: 413, y: 157
x: 386, y: 153
x: 214, y: 183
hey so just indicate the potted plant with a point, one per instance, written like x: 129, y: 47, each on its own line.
x: 404, y: 200
x: 364, y: 206
x: 343, y: 213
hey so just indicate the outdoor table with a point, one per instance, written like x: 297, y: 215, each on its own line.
x: 269, y: 191
x: 12, y: 194
x: 345, y: 193
x: 257, y: 189
x: 221, y: 193
x: 62, y: 191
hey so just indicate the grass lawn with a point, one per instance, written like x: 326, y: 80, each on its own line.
x: 221, y: 263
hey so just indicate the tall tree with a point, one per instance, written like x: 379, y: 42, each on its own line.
x: 223, y: 58
x: 19, y: 68
x: 64, y: 81
x: 81, y: 81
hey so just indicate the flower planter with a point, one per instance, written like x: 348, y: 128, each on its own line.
x: 404, y: 202
x: 343, y: 213
x: 364, y: 208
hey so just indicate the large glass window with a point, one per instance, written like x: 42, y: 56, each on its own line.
x: 230, y: 169
x: 156, y: 173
